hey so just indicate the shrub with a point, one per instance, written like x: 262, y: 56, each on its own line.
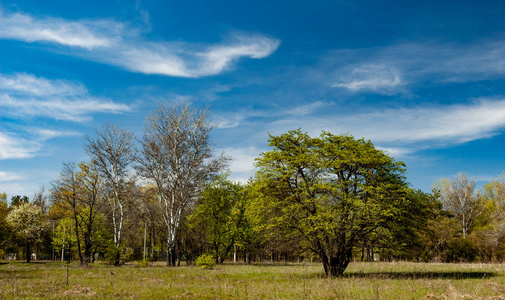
x: 207, y: 261
x: 460, y: 250
x: 143, y: 263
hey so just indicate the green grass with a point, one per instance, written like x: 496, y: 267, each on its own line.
x: 290, y: 281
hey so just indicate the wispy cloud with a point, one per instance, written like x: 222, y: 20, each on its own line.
x: 396, y: 151
x: 28, y: 84
x: 370, y: 77
x: 242, y: 158
x: 77, y: 110
x: 185, y: 59
x: 108, y: 42
x: 85, y: 34
x: 308, y: 109
x: 44, y: 134
x: 16, y: 148
x: 231, y: 120
x: 8, y: 176
x: 389, y: 69
x: 242, y: 162
x: 24, y: 95
x: 28, y: 141
x: 426, y: 127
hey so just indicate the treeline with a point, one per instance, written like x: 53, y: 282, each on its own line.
x: 166, y: 196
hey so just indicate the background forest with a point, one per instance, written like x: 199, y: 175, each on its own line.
x: 166, y: 196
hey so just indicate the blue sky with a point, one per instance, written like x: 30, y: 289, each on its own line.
x: 424, y: 80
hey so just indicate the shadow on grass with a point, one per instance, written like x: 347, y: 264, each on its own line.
x: 421, y: 275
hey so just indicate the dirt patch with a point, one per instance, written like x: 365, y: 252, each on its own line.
x: 80, y: 291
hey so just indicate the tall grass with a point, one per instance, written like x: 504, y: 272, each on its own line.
x: 288, y: 281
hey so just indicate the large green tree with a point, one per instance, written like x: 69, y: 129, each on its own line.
x: 332, y: 190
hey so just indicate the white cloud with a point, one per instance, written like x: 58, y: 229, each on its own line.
x: 16, y: 148
x: 389, y: 69
x: 219, y: 58
x: 25, y: 95
x: 433, y: 126
x: 85, y: 34
x: 8, y: 176
x: 183, y: 59
x: 377, y: 78
x: 77, y: 110
x: 108, y: 42
x: 28, y: 142
x: 231, y: 120
x: 395, y: 151
x: 308, y: 109
x: 242, y: 158
x: 46, y: 134
x: 28, y: 84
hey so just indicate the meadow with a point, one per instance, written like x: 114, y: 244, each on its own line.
x: 376, y: 280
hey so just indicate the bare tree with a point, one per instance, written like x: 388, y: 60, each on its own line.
x: 177, y: 157
x: 462, y: 199
x: 112, y: 153
x: 40, y: 199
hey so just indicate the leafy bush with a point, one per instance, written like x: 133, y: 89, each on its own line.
x: 460, y: 250
x: 143, y: 263
x: 125, y: 255
x: 207, y: 261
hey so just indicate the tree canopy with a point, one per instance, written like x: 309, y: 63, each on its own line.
x: 333, y: 190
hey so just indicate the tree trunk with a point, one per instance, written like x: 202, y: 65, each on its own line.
x: 334, y: 266
x: 28, y: 252
x: 171, y: 256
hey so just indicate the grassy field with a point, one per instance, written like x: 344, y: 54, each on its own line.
x: 290, y: 281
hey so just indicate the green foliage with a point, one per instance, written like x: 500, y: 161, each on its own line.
x: 123, y: 254
x: 65, y: 234
x: 5, y: 230
x: 143, y: 263
x: 206, y: 261
x: 17, y: 200
x: 333, y: 191
x: 221, y: 211
x: 460, y: 250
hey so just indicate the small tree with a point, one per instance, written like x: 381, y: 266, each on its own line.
x: 81, y: 194
x: 460, y: 197
x: 222, y: 211
x: 27, y: 221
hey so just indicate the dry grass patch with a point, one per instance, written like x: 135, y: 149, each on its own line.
x: 288, y: 281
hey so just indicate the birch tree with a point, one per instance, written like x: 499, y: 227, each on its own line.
x: 177, y: 157
x: 111, y: 151
x: 461, y: 198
